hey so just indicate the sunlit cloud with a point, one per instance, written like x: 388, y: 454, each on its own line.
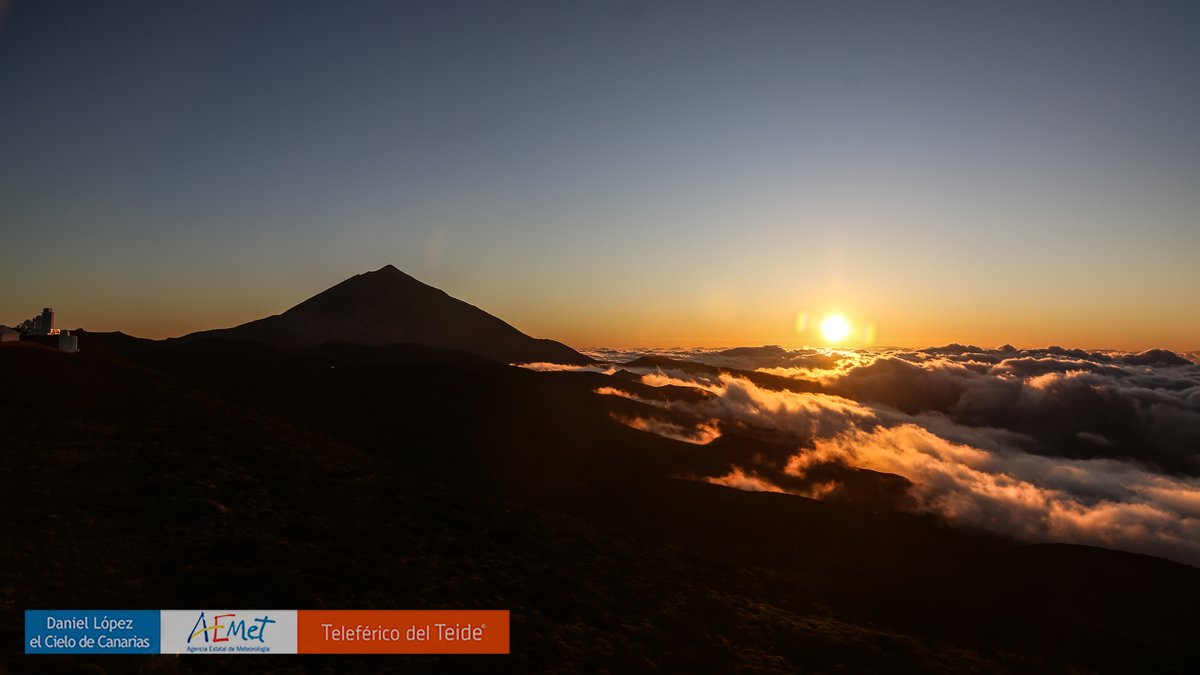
x: 745, y: 479
x: 1041, y: 445
x: 819, y: 490
x: 738, y: 399
x: 701, y: 434
x: 542, y: 366
x: 742, y: 480
x: 613, y: 391
x: 1100, y: 502
x: 825, y: 368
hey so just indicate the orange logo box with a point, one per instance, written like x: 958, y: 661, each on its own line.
x: 403, y: 631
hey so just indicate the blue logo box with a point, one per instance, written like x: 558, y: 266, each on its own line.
x: 91, y: 631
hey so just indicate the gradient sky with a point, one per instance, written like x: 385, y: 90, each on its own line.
x: 608, y: 173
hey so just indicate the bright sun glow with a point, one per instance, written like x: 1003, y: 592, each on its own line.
x: 835, y: 328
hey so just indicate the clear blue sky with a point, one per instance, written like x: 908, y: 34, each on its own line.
x: 684, y: 173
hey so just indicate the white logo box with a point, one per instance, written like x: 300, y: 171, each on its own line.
x: 228, y: 631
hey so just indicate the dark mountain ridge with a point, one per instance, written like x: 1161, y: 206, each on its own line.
x: 386, y: 307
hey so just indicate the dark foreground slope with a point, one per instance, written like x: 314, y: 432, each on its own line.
x: 223, y: 473
x: 386, y: 307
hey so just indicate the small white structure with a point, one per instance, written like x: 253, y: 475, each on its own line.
x: 67, y: 342
x: 9, y: 335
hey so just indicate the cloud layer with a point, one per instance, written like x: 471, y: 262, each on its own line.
x: 1098, y: 448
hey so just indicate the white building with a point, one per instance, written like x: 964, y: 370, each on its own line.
x: 67, y: 342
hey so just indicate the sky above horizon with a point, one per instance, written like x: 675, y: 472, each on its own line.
x: 613, y: 173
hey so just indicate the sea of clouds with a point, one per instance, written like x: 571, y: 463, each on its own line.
x: 1091, y: 447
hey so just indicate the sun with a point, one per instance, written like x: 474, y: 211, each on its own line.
x: 835, y: 328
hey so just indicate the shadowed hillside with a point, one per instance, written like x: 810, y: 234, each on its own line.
x: 224, y: 472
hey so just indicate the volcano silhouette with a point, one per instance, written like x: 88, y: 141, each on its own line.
x: 388, y: 306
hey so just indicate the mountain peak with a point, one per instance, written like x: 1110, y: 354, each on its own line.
x: 387, y: 306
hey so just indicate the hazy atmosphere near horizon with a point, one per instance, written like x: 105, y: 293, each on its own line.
x: 610, y: 173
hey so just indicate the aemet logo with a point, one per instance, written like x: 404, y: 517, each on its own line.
x: 233, y: 626
x: 241, y: 631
